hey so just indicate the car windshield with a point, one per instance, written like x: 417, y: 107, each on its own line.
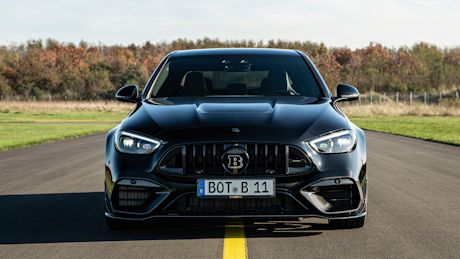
x: 236, y: 75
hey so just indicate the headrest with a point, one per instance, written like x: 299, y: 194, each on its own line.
x: 276, y: 81
x: 194, y: 85
x: 209, y: 84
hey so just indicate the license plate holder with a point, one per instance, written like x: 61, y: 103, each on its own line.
x: 236, y: 188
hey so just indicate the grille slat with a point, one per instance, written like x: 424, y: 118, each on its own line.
x: 276, y: 158
x: 255, y: 159
x: 266, y: 157
x: 214, y: 159
x: 204, y: 159
x: 193, y: 158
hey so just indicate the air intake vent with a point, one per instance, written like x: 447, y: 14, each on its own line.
x: 339, y: 197
x: 333, y: 196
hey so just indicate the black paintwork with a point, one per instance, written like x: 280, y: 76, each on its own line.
x: 346, y: 92
x: 289, y: 120
x: 128, y: 93
x: 211, y: 52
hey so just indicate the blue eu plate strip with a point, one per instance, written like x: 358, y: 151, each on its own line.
x: 200, y: 187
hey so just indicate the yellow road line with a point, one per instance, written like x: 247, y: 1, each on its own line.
x: 235, y: 241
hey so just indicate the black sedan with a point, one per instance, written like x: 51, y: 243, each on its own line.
x: 249, y: 133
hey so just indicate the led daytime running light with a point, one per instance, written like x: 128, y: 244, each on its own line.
x: 131, y: 143
x: 337, y: 142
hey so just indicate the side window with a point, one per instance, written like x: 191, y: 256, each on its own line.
x: 161, y: 79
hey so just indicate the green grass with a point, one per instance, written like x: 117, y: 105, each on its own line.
x: 20, y: 135
x: 438, y: 129
x: 61, y: 116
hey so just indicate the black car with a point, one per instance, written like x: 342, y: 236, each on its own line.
x: 249, y: 133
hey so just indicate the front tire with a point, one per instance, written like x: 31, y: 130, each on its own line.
x: 123, y: 224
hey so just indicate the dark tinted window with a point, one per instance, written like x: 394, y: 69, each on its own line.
x: 236, y: 75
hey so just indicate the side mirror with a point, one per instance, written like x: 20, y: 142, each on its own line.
x: 128, y: 93
x: 346, y: 93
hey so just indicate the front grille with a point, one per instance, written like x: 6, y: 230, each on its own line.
x: 205, y: 159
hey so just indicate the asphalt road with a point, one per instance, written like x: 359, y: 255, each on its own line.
x: 51, y: 207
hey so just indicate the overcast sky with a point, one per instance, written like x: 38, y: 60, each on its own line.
x: 337, y: 23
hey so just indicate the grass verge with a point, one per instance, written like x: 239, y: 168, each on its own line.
x: 20, y: 135
x: 434, y: 123
x: 98, y: 111
x: 438, y: 129
x: 379, y: 110
x: 62, y: 116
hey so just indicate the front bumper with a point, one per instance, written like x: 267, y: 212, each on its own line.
x: 306, y: 194
x: 114, y: 216
x: 333, y: 197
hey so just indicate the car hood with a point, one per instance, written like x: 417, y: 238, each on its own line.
x: 279, y: 119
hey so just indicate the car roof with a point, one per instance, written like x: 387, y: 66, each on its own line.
x: 235, y: 51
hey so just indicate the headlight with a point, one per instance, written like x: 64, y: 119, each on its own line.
x: 337, y: 142
x: 131, y: 143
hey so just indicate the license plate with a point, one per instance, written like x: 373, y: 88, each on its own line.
x: 236, y: 188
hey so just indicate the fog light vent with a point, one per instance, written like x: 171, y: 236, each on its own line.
x: 133, y: 195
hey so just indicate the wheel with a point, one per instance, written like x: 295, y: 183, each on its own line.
x: 347, y: 223
x: 123, y: 224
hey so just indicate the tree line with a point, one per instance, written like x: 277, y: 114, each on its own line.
x: 90, y: 71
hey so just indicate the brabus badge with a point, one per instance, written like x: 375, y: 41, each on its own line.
x: 235, y: 160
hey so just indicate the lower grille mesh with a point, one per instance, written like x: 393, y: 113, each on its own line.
x: 235, y: 205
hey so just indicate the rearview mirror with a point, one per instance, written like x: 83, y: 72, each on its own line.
x: 346, y: 93
x: 128, y: 93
